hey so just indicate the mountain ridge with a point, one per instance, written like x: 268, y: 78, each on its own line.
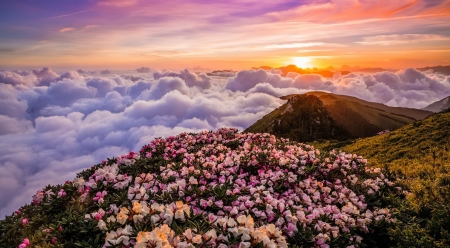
x: 351, y: 117
x: 439, y: 105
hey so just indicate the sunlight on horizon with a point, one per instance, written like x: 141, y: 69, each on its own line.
x: 302, y: 62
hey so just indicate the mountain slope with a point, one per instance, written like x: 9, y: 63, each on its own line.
x: 303, y: 117
x: 416, y: 114
x: 347, y: 117
x: 439, y: 105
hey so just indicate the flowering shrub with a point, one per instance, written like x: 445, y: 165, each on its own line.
x: 212, y: 189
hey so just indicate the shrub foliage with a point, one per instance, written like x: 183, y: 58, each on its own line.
x: 215, y: 189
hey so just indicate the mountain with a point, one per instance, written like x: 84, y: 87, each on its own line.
x: 321, y: 115
x: 439, y: 69
x: 439, y: 105
x: 420, y: 153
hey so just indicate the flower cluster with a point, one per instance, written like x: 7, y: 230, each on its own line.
x: 383, y: 132
x: 231, y: 189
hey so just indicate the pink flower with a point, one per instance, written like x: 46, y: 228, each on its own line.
x: 61, y: 193
x: 219, y: 203
x: 25, y: 243
x: 24, y: 221
x: 99, y: 196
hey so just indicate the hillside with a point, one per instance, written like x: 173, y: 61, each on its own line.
x: 439, y: 105
x: 345, y: 117
x: 420, y: 153
x: 213, y: 189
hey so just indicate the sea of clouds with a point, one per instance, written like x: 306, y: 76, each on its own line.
x: 53, y: 125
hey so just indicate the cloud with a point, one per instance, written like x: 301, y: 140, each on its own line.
x: 222, y: 73
x: 406, y: 88
x: 54, y: 125
x: 13, y: 125
x: 396, y: 39
x: 302, y: 45
x: 80, y: 71
x: 105, y: 72
x: 63, y: 30
x: 192, y: 79
x: 118, y: 3
x: 15, y: 78
x: 45, y: 76
x: 102, y: 85
x: 143, y: 70
x: 132, y: 77
x: 163, y: 86
x: 349, y: 10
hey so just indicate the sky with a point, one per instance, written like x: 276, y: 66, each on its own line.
x: 231, y: 34
x: 85, y: 80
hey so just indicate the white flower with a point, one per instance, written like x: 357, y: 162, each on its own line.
x: 179, y: 214
x: 102, y: 225
x: 244, y: 244
x: 111, y: 219
x: 138, y: 218
x: 155, y: 218
x: 211, y: 234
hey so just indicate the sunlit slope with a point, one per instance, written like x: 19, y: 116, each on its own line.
x: 348, y: 117
x: 329, y: 98
x: 415, y: 142
x: 420, y: 153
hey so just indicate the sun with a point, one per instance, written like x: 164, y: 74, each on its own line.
x: 302, y: 62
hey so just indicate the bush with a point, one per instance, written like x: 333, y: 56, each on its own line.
x: 213, y: 189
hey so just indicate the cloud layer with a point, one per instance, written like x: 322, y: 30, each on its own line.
x: 60, y: 124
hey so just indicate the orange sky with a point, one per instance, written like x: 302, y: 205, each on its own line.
x: 231, y: 34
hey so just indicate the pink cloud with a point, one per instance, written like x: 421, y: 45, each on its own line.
x: 63, y: 30
x: 349, y: 10
x: 118, y: 3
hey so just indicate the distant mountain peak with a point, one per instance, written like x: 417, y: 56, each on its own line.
x: 439, y: 106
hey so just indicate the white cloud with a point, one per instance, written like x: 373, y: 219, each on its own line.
x: 53, y: 126
x: 396, y: 39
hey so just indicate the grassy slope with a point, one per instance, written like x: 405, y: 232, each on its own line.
x: 420, y: 153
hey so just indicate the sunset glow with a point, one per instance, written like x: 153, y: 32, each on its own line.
x: 224, y: 34
x: 302, y: 62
